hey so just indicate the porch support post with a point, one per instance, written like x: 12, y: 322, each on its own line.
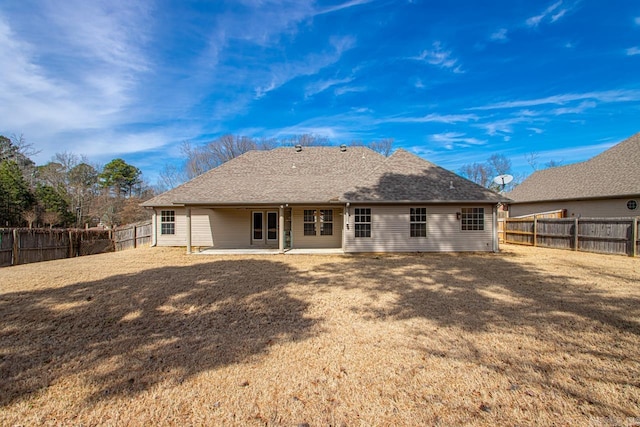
x: 281, y: 229
x: 188, y: 214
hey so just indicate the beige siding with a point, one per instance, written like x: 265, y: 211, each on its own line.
x: 178, y: 239
x: 587, y: 208
x: 317, y: 241
x: 201, y: 226
x: 390, y: 231
x: 231, y: 228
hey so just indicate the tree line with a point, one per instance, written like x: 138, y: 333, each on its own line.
x: 67, y: 191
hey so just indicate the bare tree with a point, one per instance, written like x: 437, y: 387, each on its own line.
x: 553, y: 164
x: 484, y: 173
x: 30, y: 216
x: 498, y: 164
x: 51, y: 218
x: 203, y: 158
x: 532, y: 158
x: 383, y: 146
x: 170, y: 177
x: 478, y: 173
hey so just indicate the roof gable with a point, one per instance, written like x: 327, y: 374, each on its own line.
x: 612, y: 173
x: 281, y: 175
x: 323, y: 175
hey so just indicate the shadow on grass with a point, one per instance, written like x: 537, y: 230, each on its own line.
x: 129, y: 332
x: 481, y: 294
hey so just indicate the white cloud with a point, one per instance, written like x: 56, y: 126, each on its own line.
x: 345, y: 5
x: 604, y: 96
x: 281, y: 73
x: 74, y: 79
x: 558, y: 15
x: 349, y: 89
x: 502, y: 126
x: 440, y: 57
x: 537, y: 131
x: 536, y: 20
x: 579, y: 109
x: 633, y: 51
x: 452, y: 139
x: 322, y: 85
x: 433, y: 118
x: 500, y: 35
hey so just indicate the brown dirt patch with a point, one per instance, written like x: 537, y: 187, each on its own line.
x: 152, y: 336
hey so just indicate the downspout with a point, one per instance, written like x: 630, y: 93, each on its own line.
x: 154, y: 228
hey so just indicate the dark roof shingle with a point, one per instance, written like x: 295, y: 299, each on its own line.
x: 322, y: 175
x: 612, y: 173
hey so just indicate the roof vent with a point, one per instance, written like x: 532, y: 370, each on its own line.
x: 298, y: 148
x: 343, y: 148
x: 451, y: 187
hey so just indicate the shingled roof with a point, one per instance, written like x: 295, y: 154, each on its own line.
x: 613, y: 173
x: 406, y: 177
x: 324, y: 175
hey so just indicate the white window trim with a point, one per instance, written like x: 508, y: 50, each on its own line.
x: 462, y: 219
x: 164, y: 221
x: 356, y: 222
x: 412, y: 222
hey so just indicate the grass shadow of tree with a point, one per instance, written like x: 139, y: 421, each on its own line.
x: 127, y: 333
x: 474, y: 295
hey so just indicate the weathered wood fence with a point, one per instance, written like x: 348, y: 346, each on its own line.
x: 23, y: 245
x: 133, y: 236
x: 603, y: 235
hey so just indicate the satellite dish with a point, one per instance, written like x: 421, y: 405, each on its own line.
x: 503, y: 179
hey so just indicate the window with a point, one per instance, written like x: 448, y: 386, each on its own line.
x: 167, y: 222
x: 362, y: 222
x: 309, y: 222
x: 632, y: 205
x: 272, y: 225
x: 257, y: 226
x: 418, y: 222
x: 326, y: 222
x: 472, y: 219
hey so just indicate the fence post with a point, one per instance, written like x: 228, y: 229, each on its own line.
x: 16, y: 247
x: 70, y: 244
x: 135, y: 236
x: 535, y: 230
x: 575, y: 237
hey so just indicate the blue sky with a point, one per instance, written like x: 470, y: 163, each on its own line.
x: 452, y: 81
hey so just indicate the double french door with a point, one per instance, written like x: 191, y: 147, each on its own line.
x: 264, y: 226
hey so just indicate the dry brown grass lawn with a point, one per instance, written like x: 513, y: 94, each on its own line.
x: 152, y: 336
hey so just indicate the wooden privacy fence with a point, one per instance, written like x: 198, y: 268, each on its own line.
x: 133, y: 236
x: 23, y: 245
x: 603, y: 235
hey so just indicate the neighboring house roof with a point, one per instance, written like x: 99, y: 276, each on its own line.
x: 613, y: 173
x: 323, y: 175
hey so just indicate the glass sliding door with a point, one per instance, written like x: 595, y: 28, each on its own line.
x: 272, y: 226
x: 257, y: 223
